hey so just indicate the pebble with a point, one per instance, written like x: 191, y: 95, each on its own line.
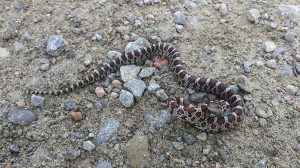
x: 71, y: 153
x: 17, y: 47
x: 209, y: 49
x: 189, y: 139
x: 103, y: 164
x: 80, y: 134
x: 21, y: 103
x: 271, y: 63
x: 289, y: 10
x: 202, y: 136
x: 45, y: 67
x: 287, y: 71
x: 114, y: 95
x: 191, y: 6
x: 153, y: 88
x: 179, y: 18
x: 113, y: 54
x: 129, y: 72
x: 160, y: 62
x: 261, y: 164
x: 116, y: 83
x: 136, y: 87
x: 14, y: 149
x: 161, y: 95
x: 146, y: 72
x: 206, y: 149
x: 126, y: 98
x: 178, y: 145
x: 253, y: 15
x: 197, y: 97
x: 297, y: 68
x: 56, y: 45
x: 140, y: 42
x: 223, y: 9
x: 247, y: 66
x: 179, y: 28
x: 137, y: 152
x: 158, y: 121
x: 123, y: 30
x: 88, y: 146
x: 37, y: 101
x: 268, y: 46
x: 1, y: 130
x: 244, y: 83
x: 261, y: 113
x: 21, y: 117
x: 262, y: 122
x: 3, y: 53
x: 290, y: 36
x: 76, y: 116
x: 100, y: 92
x: 279, y: 51
x: 107, y: 129
x: 291, y: 90
x: 70, y: 105
x: 259, y: 63
x: 165, y: 36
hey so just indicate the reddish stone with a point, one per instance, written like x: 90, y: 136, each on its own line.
x: 76, y: 116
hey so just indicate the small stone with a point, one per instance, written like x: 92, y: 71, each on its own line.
x: 209, y: 49
x: 179, y: 18
x: 70, y: 105
x: 189, y: 139
x: 161, y: 62
x: 123, y: 30
x: 291, y: 90
x: 202, y: 136
x: 17, y: 47
x: 21, y: 103
x: 21, y: 117
x: 290, y: 36
x: 107, y: 129
x: 80, y: 134
x: 271, y: 63
x: 100, y: 92
x: 253, y: 15
x: 158, y: 121
x: 261, y: 164
x: 14, y: 149
x: 45, y: 67
x: 146, y: 72
x: 198, y: 97
x: 259, y: 63
x: 3, y: 53
x: 1, y: 130
x: 279, y: 51
x: 137, y: 152
x: 179, y: 28
x: 116, y: 83
x: 71, y: 153
x: 88, y: 146
x: 178, y: 145
x: 165, y: 37
x: 37, y: 101
x: 289, y: 10
x: 136, y: 87
x: 129, y: 72
x: 261, y: 113
x: 76, y: 116
x: 244, y: 83
x: 153, y: 88
x: 161, y: 95
x: 206, y: 149
x: 126, y: 98
x: 114, y: 95
x: 268, y: 46
x: 297, y: 68
x: 223, y: 9
x: 56, y: 45
x: 247, y: 66
x: 287, y: 71
x: 103, y: 164
x: 113, y: 55
x: 262, y: 122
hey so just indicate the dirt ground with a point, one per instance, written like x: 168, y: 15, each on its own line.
x: 217, y: 40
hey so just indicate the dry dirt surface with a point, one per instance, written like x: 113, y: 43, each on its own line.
x: 251, y: 45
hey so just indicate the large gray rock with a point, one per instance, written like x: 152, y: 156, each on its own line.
x: 21, y: 117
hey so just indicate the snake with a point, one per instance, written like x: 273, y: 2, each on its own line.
x: 181, y: 108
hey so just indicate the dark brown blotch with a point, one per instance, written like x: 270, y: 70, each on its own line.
x: 221, y: 120
x: 231, y: 118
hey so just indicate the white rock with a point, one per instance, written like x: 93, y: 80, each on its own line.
x: 269, y: 46
x: 292, y: 90
x: 253, y: 15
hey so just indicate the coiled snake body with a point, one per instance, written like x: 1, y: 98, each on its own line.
x: 180, y: 108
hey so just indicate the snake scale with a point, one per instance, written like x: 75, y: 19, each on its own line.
x: 180, y: 108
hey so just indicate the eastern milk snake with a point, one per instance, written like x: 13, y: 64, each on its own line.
x: 201, y: 118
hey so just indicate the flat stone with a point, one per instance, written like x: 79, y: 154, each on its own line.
x: 137, y: 152
x: 71, y: 153
x: 3, y: 53
x: 103, y: 164
x: 290, y: 36
x: 161, y: 94
x: 291, y: 90
x: 179, y: 18
x: 21, y: 117
x: 253, y: 15
x: 202, y: 136
x: 126, y: 98
x: 136, y: 87
x: 271, y: 64
x: 140, y: 42
x: 268, y: 46
x: 88, y: 146
x: 146, y: 72
x: 244, y: 83
x: 107, y: 129
x: 223, y: 9
x: 178, y: 145
x: 129, y: 72
x: 56, y: 45
x: 37, y: 101
x: 165, y: 36
x: 113, y: 54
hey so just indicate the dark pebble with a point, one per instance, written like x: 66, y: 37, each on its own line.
x: 14, y: 149
x: 70, y: 105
